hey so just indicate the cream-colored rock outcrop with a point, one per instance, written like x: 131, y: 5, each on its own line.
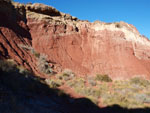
x: 131, y: 34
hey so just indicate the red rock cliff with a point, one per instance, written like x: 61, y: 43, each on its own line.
x: 116, y: 49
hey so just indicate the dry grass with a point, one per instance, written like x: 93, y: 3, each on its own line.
x: 133, y: 93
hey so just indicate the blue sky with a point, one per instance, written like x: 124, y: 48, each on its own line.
x: 136, y: 12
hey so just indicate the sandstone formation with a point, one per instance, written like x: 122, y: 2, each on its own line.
x: 116, y: 49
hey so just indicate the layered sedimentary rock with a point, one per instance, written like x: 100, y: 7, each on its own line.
x: 116, y: 49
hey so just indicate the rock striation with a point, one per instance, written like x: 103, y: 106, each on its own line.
x: 116, y: 49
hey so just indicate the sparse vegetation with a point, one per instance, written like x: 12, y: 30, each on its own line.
x: 53, y: 83
x: 118, y: 25
x: 79, y: 87
x: 19, y: 92
x: 133, y: 93
x: 67, y: 74
x: 139, y: 81
x: 103, y: 78
x: 91, y: 81
x: 128, y: 93
x: 7, y: 65
x: 8, y: 68
x: 76, y: 82
x: 42, y: 63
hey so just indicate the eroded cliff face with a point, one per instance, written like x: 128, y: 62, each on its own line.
x: 116, y: 49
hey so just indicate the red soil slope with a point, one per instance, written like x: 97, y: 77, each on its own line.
x: 116, y: 49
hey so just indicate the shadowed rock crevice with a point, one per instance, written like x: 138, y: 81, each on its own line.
x: 12, y: 19
x: 3, y: 51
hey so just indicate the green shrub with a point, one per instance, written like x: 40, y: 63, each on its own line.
x: 10, y: 66
x: 68, y: 72
x: 67, y: 75
x: 140, y: 81
x: 89, y: 92
x: 37, y: 55
x: 103, y: 78
x: 24, y: 71
x: 76, y: 83
x: 42, y: 62
x: 7, y: 65
x: 118, y: 25
x: 43, y: 65
x: 53, y: 83
x: 142, y: 98
x: 91, y: 81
